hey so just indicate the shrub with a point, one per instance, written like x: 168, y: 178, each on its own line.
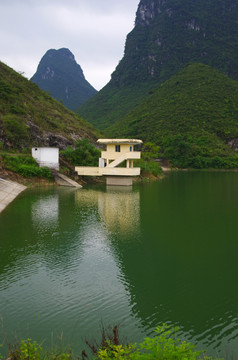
x: 84, y: 154
x: 26, y: 166
x: 164, y: 346
x: 150, y: 151
x: 147, y: 163
x: 31, y: 350
x: 150, y: 167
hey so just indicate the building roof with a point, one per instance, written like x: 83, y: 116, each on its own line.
x: 119, y: 141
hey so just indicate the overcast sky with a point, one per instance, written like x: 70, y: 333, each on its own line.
x: 93, y: 30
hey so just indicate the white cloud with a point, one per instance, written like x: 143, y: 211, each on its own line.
x: 95, y: 31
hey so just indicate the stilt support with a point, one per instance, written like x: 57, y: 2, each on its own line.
x: 119, y: 180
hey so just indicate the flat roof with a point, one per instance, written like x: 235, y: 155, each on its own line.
x: 119, y: 141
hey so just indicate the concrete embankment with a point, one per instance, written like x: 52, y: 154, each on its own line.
x: 9, y: 190
x: 64, y: 180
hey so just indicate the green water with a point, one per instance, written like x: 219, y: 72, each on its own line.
x: 160, y: 252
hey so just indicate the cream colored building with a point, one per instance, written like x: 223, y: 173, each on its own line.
x: 117, y: 152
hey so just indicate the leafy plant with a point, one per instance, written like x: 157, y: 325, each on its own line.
x: 116, y: 352
x: 29, y: 350
x: 147, y: 163
x: 149, y: 167
x: 26, y: 166
x: 163, y: 346
x: 84, y: 154
x: 150, y: 151
x: 26, y: 350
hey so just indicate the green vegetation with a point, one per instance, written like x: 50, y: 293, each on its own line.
x: 192, y: 117
x: 166, y: 37
x: 83, y: 154
x: 163, y: 346
x: 30, y: 117
x: 25, y: 166
x: 111, y: 103
x: 149, y: 167
x: 147, y: 163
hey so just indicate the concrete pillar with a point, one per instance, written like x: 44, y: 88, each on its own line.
x: 119, y: 180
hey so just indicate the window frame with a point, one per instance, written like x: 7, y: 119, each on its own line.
x: 117, y: 148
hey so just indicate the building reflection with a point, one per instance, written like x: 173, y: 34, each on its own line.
x: 118, y: 207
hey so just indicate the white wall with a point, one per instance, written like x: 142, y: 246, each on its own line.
x: 45, y: 156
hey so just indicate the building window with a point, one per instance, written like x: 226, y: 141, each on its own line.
x: 131, y: 148
x: 117, y: 148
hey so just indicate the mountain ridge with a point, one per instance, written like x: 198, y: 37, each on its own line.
x: 167, y: 35
x: 59, y: 74
x: 193, y: 114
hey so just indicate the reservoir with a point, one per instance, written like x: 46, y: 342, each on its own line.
x: 161, y: 252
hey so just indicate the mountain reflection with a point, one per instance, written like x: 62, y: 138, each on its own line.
x: 118, y: 207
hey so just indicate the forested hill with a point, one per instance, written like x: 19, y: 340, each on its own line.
x: 193, y: 116
x: 30, y: 117
x: 167, y: 35
x: 59, y: 74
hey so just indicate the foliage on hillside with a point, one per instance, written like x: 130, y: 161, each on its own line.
x: 111, y: 104
x: 60, y: 75
x: 167, y: 35
x: 192, y: 117
x: 29, y: 116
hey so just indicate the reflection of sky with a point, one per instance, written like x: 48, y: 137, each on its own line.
x: 45, y: 211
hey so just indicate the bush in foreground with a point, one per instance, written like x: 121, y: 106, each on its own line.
x: 163, y: 346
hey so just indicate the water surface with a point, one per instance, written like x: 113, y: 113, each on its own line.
x: 159, y: 252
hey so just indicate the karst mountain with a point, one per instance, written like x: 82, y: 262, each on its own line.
x: 59, y: 74
x: 168, y: 34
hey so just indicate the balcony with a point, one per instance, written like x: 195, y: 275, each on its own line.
x: 106, y: 171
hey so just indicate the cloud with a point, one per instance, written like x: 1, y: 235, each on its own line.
x: 95, y: 31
